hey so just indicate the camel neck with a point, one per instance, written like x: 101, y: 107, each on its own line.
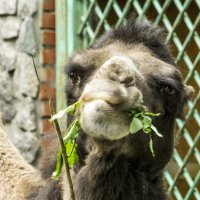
x: 105, y: 177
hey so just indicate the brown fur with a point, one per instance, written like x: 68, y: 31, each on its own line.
x: 126, y: 68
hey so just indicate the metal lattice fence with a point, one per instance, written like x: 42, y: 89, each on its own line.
x: 87, y: 19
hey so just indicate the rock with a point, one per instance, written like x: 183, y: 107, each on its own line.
x: 25, y: 80
x: 28, y: 146
x: 1, y: 122
x: 8, y: 7
x: 26, y: 142
x: 7, y: 108
x: 8, y: 57
x: 8, y: 112
x: 6, y: 87
x: 27, y: 37
x: 27, y: 8
x: 25, y: 118
x: 9, y: 27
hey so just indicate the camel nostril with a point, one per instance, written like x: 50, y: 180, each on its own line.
x: 128, y: 81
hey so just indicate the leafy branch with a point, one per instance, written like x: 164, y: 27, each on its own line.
x: 142, y: 120
x: 62, y: 156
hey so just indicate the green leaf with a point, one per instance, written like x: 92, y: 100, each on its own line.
x: 138, y: 115
x: 72, y: 153
x: 69, y: 127
x: 72, y: 133
x: 156, y: 131
x: 135, y: 125
x: 136, y: 112
x: 151, y: 145
x: 152, y: 114
x: 59, y: 164
x: 70, y: 110
x: 58, y: 115
x: 146, y: 121
x: 147, y: 130
x: 142, y: 120
x: 69, y: 141
x: 72, y: 159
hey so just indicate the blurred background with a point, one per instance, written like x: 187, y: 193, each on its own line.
x: 54, y: 29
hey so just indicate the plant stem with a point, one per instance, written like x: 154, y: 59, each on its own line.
x: 59, y: 134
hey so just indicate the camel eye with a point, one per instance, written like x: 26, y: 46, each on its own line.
x: 75, y: 78
x: 168, y: 90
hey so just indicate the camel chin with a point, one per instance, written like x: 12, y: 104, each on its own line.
x: 100, y: 120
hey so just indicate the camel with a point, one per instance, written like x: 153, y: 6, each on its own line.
x: 126, y: 68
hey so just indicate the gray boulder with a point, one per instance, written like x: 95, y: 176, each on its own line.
x: 8, y: 57
x: 27, y: 8
x: 27, y: 41
x: 25, y: 118
x: 26, y: 142
x: 25, y: 80
x: 9, y: 27
x: 8, y: 7
x: 7, y: 108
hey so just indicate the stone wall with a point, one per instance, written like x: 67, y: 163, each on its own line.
x: 19, y: 90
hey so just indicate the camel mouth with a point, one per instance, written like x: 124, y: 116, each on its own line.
x: 104, y: 107
x: 103, y: 96
x: 99, y: 119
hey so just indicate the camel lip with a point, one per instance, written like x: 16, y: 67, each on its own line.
x: 104, y: 102
x: 90, y: 97
x: 115, y: 107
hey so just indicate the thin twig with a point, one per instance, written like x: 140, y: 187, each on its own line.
x: 40, y: 82
x: 59, y: 134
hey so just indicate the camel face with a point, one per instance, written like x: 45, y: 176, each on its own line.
x: 121, y: 77
x: 127, y: 68
x: 108, y: 97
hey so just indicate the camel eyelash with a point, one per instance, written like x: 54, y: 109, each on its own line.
x: 77, y: 69
x: 160, y: 83
x: 171, y: 83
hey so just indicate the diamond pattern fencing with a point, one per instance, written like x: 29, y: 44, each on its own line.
x: 181, y: 19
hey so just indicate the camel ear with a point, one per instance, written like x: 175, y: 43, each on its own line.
x: 188, y: 91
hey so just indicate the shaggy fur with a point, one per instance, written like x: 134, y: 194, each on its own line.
x: 126, y: 68
x: 135, y: 32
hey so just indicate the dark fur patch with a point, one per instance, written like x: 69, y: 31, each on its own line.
x: 50, y: 146
x: 52, y: 191
x: 137, y: 31
x: 113, y: 179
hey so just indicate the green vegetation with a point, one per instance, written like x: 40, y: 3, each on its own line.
x: 141, y: 120
x: 68, y: 139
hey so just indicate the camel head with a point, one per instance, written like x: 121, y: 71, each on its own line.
x: 128, y: 68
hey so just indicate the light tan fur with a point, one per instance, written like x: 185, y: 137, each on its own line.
x: 17, y: 178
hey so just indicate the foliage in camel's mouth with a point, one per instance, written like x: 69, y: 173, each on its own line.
x: 141, y: 120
